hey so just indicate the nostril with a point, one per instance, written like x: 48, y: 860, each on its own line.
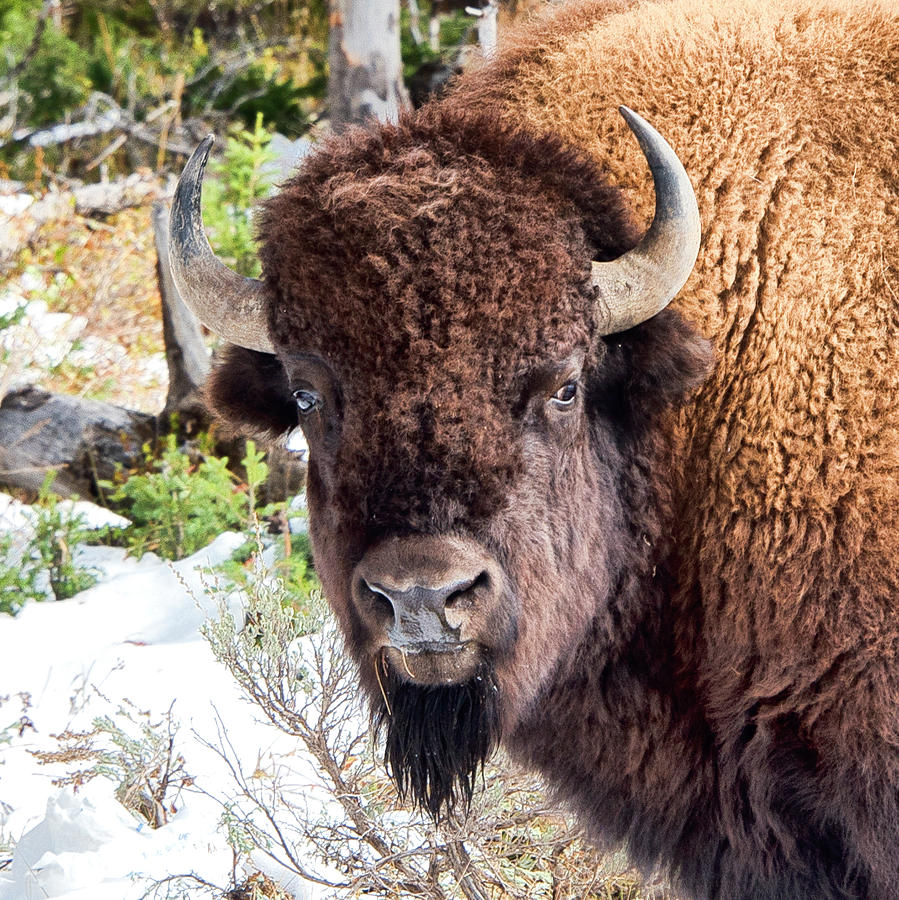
x: 417, y: 592
x: 379, y: 598
x: 465, y: 595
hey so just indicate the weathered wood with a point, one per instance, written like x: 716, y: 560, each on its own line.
x: 82, y: 440
x: 107, y: 198
x: 286, y: 475
x: 185, y: 349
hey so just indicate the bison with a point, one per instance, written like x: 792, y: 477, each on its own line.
x: 651, y: 548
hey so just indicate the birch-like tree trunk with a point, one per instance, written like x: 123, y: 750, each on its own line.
x: 185, y: 350
x: 366, y: 79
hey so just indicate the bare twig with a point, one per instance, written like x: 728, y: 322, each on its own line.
x: 466, y: 872
x: 507, y: 847
x: 112, y: 119
x: 35, y: 44
x: 153, y: 890
x: 106, y: 152
x: 232, y: 64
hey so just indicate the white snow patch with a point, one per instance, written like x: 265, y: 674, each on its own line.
x: 15, y: 204
x: 133, y: 639
x: 41, y: 339
x: 15, y: 515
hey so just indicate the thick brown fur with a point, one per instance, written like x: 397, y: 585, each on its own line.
x: 703, y: 646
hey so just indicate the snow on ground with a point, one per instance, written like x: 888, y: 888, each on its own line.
x: 131, y: 639
x: 39, y: 340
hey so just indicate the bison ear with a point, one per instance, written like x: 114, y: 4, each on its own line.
x: 249, y: 391
x: 650, y: 368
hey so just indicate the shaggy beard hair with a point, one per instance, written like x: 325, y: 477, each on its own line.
x: 437, y: 737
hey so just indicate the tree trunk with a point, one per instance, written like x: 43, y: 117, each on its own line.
x: 185, y: 350
x: 487, y: 22
x: 366, y: 79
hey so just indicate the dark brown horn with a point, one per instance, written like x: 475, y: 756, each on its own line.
x: 227, y: 303
x: 641, y: 283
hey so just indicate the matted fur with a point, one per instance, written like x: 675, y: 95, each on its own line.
x: 437, y: 737
x: 701, y: 651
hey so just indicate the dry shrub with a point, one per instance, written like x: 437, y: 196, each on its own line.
x: 258, y: 887
x: 136, y: 753
x: 510, y: 844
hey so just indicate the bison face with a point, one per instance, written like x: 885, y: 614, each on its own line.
x: 443, y: 516
x: 479, y: 475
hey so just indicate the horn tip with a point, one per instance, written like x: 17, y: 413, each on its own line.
x: 630, y: 116
x: 204, y: 147
x: 196, y: 165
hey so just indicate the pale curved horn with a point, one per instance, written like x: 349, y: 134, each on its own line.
x: 643, y: 281
x: 226, y: 303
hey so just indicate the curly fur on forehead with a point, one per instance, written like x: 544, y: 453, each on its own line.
x: 444, y: 239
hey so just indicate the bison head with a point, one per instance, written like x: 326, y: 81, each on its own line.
x: 459, y: 317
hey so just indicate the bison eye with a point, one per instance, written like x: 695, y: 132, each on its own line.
x: 307, y: 401
x: 564, y: 397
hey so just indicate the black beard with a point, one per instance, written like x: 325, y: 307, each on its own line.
x: 437, y: 737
